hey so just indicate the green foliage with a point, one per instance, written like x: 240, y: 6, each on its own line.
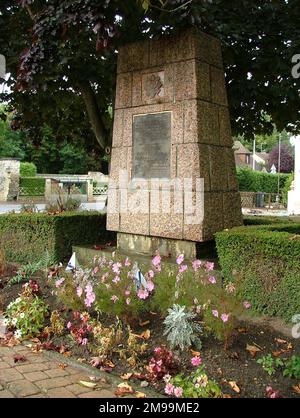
x: 292, y: 367
x: 27, y: 271
x: 180, y: 328
x: 32, y: 186
x: 27, y: 315
x: 269, y: 364
x: 197, y: 385
x: 26, y: 237
x: 12, y: 144
x: 256, y: 181
x: 264, y: 260
x: 267, y: 220
x: 28, y: 170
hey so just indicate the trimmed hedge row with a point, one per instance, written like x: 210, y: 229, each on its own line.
x: 256, y: 181
x: 26, y: 237
x: 33, y: 186
x: 28, y: 170
x: 265, y: 260
x: 267, y: 220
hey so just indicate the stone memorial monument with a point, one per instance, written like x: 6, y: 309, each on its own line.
x: 172, y: 179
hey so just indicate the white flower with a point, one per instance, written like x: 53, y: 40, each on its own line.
x: 167, y: 378
x: 14, y: 321
x: 6, y: 322
x: 18, y: 334
x: 22, y: 315
x: 18, y: 300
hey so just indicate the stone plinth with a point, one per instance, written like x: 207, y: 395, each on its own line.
x: 172, y: 123
x: 9, y: 178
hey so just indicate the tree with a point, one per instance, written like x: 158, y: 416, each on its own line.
x: 68, y: 49
x: 286, y: 158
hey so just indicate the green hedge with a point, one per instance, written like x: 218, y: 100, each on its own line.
x: 265, y: 260
x: 267, y: 220
x: 256, y: 181
x: 32, y: 186
x: 28, y: 170
x: 26, y: 237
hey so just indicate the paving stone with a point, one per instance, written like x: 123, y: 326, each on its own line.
x: 4, y: 365
x: 5, y: 351
x: 77, y: 389
x: 34, y: 367
x: 22, y: 388
x: 9, y: 375
x: 6, y: 394
x: 57, y: 372
x: 103, y: 393
x: 53, y: 383
x: 35, y: 376
x: 60, y: 393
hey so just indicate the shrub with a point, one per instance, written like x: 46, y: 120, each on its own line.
x: 196, y: 385
x: 265, y: 261
x: 257, y: 181
x: 26, y: 314
x: 26, y: 237
x: 28, y: 170
x: 292, y: 367
x: 180, y: 328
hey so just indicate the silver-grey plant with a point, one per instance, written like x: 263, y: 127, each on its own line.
x: 180, y: 328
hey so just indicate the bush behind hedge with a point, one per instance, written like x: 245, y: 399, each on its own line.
x: 34, y: 186
x: 257, y: 181
x: 265, y: 260
x: 28, y: 170
x: 25, y: 237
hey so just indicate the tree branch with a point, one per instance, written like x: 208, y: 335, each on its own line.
x: 93, y: 112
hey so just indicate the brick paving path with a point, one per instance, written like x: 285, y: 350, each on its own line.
x: 45, y: 376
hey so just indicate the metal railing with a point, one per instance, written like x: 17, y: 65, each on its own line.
x: 262, y: 200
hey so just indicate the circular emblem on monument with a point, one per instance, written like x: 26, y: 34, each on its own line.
x: 153, y: 86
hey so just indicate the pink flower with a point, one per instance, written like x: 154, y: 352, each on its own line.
x: 116, y: 279
x: 84, y: 341
x: 116, y: 267
x: 127, y: 292
x: 89, y: 299
x: 183, y: 268
x: 209, y: 266
x: 69, y: 325
x: 59, y: 282
x: 150, y: 286
x: 215, y: 313
x: 196, y: 264
x: 169, y: 389
x: 79, y: 291
x: 225, y: 317
x: 212, y: 280
x: 150, y: 274
x: 180, y: 259
x: 114, y: 298
x: 247, y: 305
x: 178, y: 392
x: 196, y: 301
x: 127, y: 262
x: 128, y: 300
x: 157, y: 350
x: 156, y: 260
x: 196, y: 361
x: 142, y: 294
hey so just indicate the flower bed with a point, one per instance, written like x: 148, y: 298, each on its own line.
x: 174, y: 328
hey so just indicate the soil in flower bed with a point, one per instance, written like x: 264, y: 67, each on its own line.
x: 235, y: 368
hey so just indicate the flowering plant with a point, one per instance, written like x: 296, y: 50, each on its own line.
x: 196, y: 385
x: 26, y: 314
x: 80, y: 327
x: 161, y: 363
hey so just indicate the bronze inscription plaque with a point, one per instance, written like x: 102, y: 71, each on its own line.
x: 152, y: 145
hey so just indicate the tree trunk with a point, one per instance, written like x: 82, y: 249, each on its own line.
x: 93, y: 112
